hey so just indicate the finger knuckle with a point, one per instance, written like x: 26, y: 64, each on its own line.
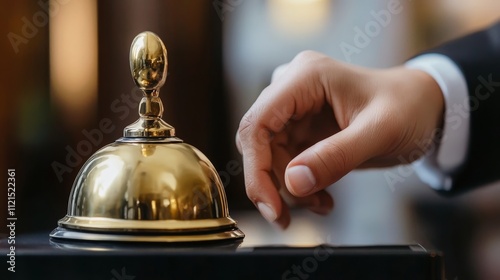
x: 246, y: 126
x: 307, y: 55
x: 313, y: 63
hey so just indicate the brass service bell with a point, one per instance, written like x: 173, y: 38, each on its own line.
x: 148, y: 186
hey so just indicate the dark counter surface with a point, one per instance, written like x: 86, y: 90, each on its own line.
x: 261, y: 255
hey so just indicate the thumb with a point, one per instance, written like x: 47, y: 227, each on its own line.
x: 327, y: 161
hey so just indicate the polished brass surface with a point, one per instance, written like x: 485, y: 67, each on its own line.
x: 168, y: 226
x: 148, y: 186
x: 228, y: 234
x: 148, y: 61
x: 138, y: 182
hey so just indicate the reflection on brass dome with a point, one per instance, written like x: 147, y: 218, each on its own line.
x: 148, y: 186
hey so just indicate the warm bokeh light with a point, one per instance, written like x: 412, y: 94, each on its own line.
x: 473, y: 14
x: 73, y: 60
x: 299, y: 17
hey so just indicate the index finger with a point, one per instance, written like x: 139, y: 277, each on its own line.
x: 287, y: 97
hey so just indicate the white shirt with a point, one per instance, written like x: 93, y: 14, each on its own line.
x: 436, y: 167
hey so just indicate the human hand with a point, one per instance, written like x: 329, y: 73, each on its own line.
x: 320, y: 118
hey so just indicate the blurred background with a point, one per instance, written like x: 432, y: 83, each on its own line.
x: 65, y: 72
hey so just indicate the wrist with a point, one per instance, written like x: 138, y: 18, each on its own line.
x: 438, y: 165
x: 432, y: 96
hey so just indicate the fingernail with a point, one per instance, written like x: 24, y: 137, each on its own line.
x: 267, y: 211
x: 300, y: 179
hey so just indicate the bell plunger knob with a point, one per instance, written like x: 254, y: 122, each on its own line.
x: 148, y: 66
x: 148, y: 61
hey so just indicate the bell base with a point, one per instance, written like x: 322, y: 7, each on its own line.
x: 100, y: 224
x: 211, y: 236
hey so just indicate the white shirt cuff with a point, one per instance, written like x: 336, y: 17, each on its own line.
x: 436, y: 167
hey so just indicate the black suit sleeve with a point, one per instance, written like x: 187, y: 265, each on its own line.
x: 478, y: 57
